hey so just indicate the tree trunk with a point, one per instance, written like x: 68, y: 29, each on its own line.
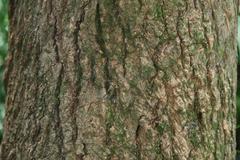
x: 121, y: 80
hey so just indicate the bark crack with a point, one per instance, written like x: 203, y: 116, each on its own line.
x: 181, y: 43
x: 117, y: 10
x: 82, y: 155
x: 140, y: 4
x: 55, y: 34
x: 101, y: 42
x: 78, y: 73
x: 56, y: 113
x: 138, y: 138
x: 76, y: 34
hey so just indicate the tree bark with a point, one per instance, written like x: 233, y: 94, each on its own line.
x: 121, y: 80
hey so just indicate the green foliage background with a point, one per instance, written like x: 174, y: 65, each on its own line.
x: 3, y: 52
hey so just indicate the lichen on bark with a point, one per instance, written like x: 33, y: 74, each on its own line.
x: 120, y: 79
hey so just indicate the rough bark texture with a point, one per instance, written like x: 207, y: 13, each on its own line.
x: 121, y: 80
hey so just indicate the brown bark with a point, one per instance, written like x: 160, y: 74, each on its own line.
x: 117, y: 79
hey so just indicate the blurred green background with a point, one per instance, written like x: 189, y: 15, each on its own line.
x: 3, y: 52
x: 4, y: 48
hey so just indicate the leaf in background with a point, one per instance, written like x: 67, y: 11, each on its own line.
x: 3, y: 53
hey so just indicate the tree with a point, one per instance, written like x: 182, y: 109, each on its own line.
x: 117, y: 79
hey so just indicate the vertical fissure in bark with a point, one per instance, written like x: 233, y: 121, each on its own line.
x: 138, y: 138
x: 92, y: 56
x: 181, y: 43
x: 196, y: 105
x: 195, y: 4
x: 37, y: 62
x: 189, y: 29
x: 140, y: 4
x: 55, y: 35
x: 85, y: 152
x: 79, y: 73
x: 108, y: 134
x: 8, y: 69
x: 59, y: 79
x: 56, y: 112
x: 55, y: 30
x: 101, y: 42
x: 196, y: 99
x: 117, y: 14
x: 92, y: 68
x: 34, y: 111
x: 76, y: 35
